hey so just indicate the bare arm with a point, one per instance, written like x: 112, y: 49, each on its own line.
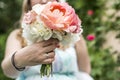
x: 12, y: 45
x: 31, y: 55
x: 82, y: 56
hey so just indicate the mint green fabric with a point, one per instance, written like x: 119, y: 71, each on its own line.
x: 64, y: 68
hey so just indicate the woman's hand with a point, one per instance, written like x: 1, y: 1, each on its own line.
x: 38, y: 53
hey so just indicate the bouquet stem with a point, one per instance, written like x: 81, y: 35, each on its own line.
x: 46, y: 70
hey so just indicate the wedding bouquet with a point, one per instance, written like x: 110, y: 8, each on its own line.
x: 51, y: 20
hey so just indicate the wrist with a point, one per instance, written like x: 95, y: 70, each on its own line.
x: 15, y: 61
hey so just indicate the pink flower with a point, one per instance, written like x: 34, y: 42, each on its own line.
x: 90, y: 37
x: 90, y: 12
x: 60, y: 16
x: 29, y: 17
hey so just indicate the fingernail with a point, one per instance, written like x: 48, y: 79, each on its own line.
x: 58, y: 46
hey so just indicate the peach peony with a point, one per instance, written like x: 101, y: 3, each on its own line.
x: 60, y: 16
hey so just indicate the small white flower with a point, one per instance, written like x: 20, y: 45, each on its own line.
x: 57, y: 34
x: 48, y: 34
x: 38, y: 8
x: 36, y: 32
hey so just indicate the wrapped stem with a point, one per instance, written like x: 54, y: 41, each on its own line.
x: 46, y: 70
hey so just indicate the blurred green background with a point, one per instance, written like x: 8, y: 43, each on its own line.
x: 98, y: 18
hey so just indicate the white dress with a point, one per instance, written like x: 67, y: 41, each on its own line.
x: 64, y: 68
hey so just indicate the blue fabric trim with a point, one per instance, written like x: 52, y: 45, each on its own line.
x: 21, y: 77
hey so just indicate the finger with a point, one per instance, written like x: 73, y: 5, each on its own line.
x: 44, y: 43
x: 49, y: 48
x: 50, y: 42
x: 44, y: 59
x: 47, y: 61
x: 50, y: 55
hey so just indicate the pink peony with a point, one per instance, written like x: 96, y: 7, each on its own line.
x: 29, y: 17
x: 90, y: 12
x: 60, y: 16
x: 90, y: 37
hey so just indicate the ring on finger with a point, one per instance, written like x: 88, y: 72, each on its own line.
x: 46, y: 55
